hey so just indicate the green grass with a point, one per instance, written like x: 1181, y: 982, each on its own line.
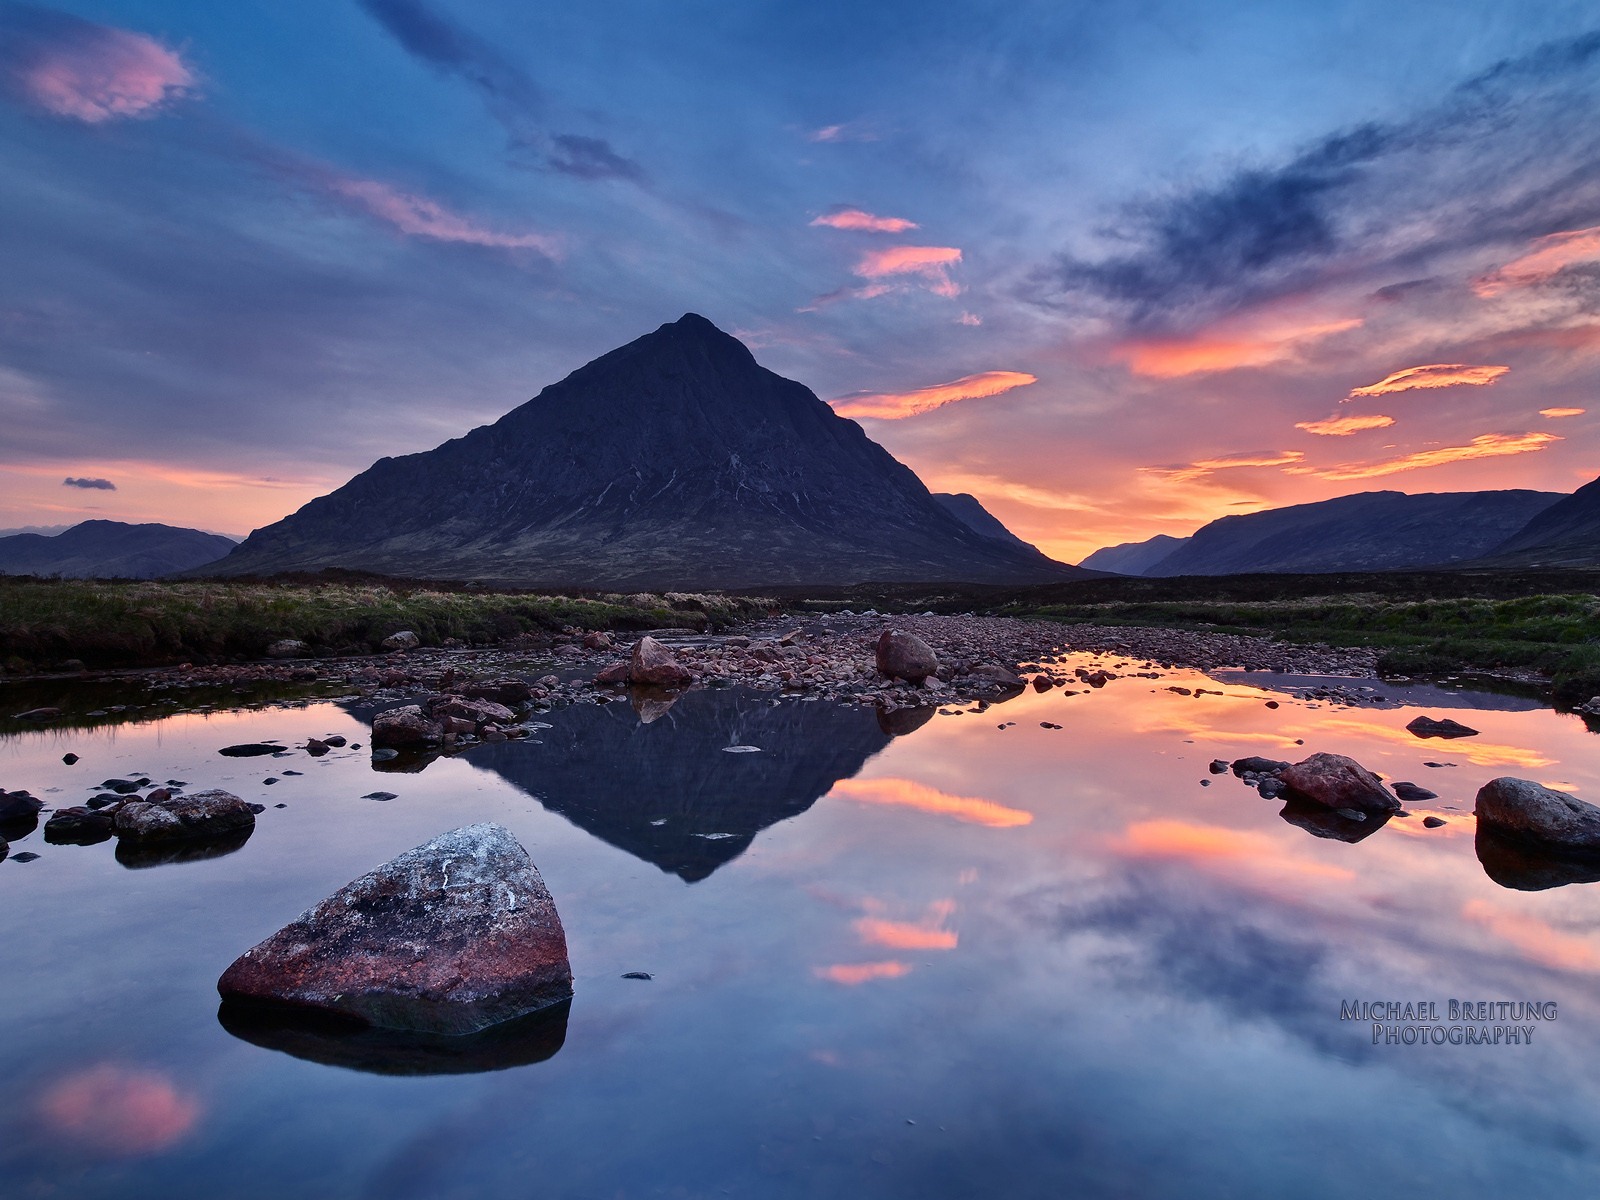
x: 124, y: 624
x: 1556, y: 635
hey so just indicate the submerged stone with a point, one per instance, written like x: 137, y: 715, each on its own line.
x: 203, y: 815
x: 1428, y: 727
x: 452, y: 937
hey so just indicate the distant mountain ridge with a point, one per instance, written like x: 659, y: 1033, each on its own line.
x: 1133, y: 558
x: 1567, y: 534
x: 675, y: 461
x: 111, y: 550
x: 967, y: 509
x: 1367, y: 531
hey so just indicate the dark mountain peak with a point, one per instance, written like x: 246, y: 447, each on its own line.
x: 675, y: 460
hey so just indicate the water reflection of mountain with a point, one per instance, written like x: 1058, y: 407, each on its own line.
x: 667, y: 791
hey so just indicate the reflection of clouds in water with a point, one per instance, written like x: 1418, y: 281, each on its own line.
x: 1475, y: 751
x: 118, y: 1110
x: 1213, y: 847
x: 926, y: 934
x: 1536, y: 940
x: 908, y: 793
x: 855, y: 974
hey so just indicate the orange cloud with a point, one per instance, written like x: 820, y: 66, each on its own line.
x: 1488, y: 445
x: 855, y: 218
x: 1536, y: 940
x: 1549, y: 256
x: 101, y: 74
x: 855, y: 974
x: 1204, y: 845
x: 894, y: 406
x: 1188, y: 472
x: 118, y: 1110
x: 1170, y: 358
x: 421, y: 217
x: 1344, y: 426
x: 1434, y: 375
x: 1562, y: 412
x: 910, y: 794
x: 931, y: 263
x: 928, y: 934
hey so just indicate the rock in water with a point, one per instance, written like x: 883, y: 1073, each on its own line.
x: 1338, y: 782
x: 1530, y: 812
x: 212, y: 814
x: 405, y: 726
x: 452, y: 937
x: 404, y: 640
x: 1427, y: 727
x: 905, y: 656
x: 652, y: 663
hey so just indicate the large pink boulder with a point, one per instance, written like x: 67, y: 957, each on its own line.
x: 905, y: 656
x: 652, y: 663
x: 452, y: 937
x: 1338, y: 782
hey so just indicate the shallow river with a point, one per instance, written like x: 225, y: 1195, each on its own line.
x: 955, y: 961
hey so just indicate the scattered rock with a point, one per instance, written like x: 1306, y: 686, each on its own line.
x: 407, y: 725
x: 653, y: 664
x: 288, y: 648
x: 69, y: 759
x: 1427, y: 727
x: 902, y: 655
x: 1219, y: 766
x: 637, y: 975
x: 19, y: 806
x: 335, y: 740
x: 1410, y: 793
x: 316, y: 748
x: 475, y: 712
x: 501, y: 691
x: 203, y: 815
x: 616, y: 673
x: 77, y: 826
x: 26, y: 856
x: 1433, y: 822
x: 597, y: 639
x: 452, y: 937
x: 1531, y: 812
x: 995, y: 674
x: 249, y: 750
x: 402, y: 640
x: 380, y: 796
x: 1338, y: 782
x: 1256, y: 765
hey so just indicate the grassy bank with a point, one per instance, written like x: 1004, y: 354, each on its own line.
x: 1554, y: 635
x: 123, y: 624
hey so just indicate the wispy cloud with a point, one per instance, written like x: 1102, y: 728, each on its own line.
x: 510, y: 94
x: 863, y: 221
x: 82, y: 71
x: 927, y: 934
x: 1548, y: 256
x: 1434, y: 375
x: 1345, y: 426
x: 894, y: 406
x: 855, y: 974
x: 931, y: 263
x: 421, y: 217
x: 1199, y: 469
x: 1511, y: 154
x: 88, y: 484
x: 1488, y: 445
x: 1557, y: 413
x: 845, y: 131
x: 1226, y: 347
x: 908, y: 793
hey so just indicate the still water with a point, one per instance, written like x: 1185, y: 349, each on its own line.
x: 945, y: 960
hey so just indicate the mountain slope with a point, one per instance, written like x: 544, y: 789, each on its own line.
x: 1133, y: 558
x: 1368, y: 531
x: 111, y: 549
x: 1567, y: 534
x: 967, y: 509
x: 674, y: 461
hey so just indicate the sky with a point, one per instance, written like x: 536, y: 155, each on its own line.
x: 1117, y: 270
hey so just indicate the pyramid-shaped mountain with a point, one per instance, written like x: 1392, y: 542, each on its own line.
x: 676, y: 461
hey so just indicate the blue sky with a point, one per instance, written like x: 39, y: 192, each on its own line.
x: 252, y: 247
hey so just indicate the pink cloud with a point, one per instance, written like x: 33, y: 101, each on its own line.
x: 858, y: 219
x: 118, y: 1110
x: 894, y: 406
x: 1227, y: 347
x: 1548, y: 256
x: 1345, y: 426
x: 931, y: 263
x: 94, y: 73
x: 1434, y: 375
x: 1556, y: 413
x: 1201, y: 468
x: 422, y: 217
x: 1488, y: 445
